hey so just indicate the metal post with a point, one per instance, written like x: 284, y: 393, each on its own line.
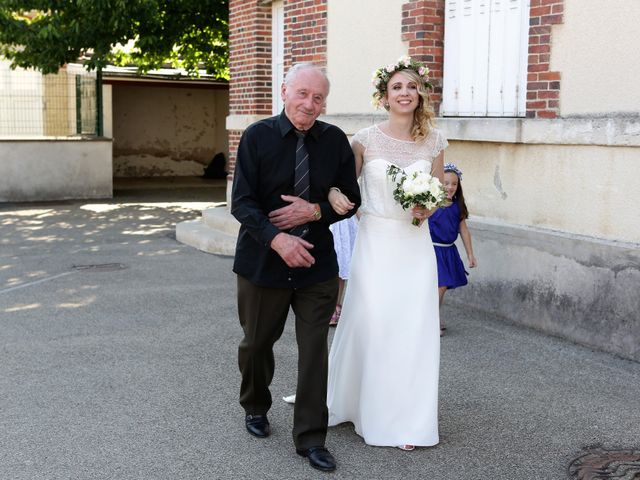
x: 78, y: 105
x: 99, y: 106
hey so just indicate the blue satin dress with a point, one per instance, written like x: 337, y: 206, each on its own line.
x: 444, y: 227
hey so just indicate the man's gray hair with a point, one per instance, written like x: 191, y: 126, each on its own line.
x: 298, y: 67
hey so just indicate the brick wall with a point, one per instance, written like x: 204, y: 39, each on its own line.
x: 423, y: 29
x: 250, y: 59
x: 249, y: 64
x: 305, y: 32
x: 250, y: 53
x: 250, y: 48
x: 543, y: 85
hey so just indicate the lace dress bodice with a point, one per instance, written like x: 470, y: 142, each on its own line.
x: 381, y: 150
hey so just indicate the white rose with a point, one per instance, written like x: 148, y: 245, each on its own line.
x: 425, y: 179
x: 409, y: 187
x: 421, y: 185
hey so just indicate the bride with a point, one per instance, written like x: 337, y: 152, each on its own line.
x: 384, y: 360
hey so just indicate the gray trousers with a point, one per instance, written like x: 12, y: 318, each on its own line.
x: 263, y: 313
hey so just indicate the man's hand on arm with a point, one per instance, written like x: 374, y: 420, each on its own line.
x: 293, y: 250
x: 298, y: 212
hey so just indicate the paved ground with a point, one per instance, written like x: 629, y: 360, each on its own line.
x: 118, y: 361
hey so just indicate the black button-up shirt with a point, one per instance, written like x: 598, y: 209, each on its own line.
x: 264, y: 171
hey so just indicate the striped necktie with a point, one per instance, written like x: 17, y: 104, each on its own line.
x: 301, y: 179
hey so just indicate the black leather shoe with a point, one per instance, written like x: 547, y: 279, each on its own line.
x: 320, y: 458
x: 257, y: 425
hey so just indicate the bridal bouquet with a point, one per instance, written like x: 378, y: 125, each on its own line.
x: 416, y: 190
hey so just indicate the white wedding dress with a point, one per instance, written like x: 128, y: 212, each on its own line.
x: 385, y: 355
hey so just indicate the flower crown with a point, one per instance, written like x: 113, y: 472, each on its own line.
x: 382, y: 76
x: 451, y: 167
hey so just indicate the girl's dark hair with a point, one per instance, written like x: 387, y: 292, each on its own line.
x: 459, y: 197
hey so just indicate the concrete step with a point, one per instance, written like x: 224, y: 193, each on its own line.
x: 219, y: 218
x: 198, y: 234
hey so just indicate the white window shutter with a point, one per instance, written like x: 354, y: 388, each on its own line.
x: 277, y: 54
x: 479, y: 23
x: 485, y: 57
x: 524, y: 58
x: 452, y: 50
x: 508, y: 45
x: 466, y: 51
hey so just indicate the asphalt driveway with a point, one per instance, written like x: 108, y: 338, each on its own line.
x: 118, y: 361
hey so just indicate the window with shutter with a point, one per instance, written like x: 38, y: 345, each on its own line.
x: 485, y: 58
x: 277, y: 54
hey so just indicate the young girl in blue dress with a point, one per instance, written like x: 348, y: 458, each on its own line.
x: 444, y: 226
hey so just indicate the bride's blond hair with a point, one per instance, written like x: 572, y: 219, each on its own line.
x: 423, y: 115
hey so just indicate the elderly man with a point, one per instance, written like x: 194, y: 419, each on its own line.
x: 285, y: 257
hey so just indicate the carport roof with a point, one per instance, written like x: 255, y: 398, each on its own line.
x: 162, y: 76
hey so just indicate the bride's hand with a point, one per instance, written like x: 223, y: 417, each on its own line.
x: 339, y: 202
x: 421, y: 213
